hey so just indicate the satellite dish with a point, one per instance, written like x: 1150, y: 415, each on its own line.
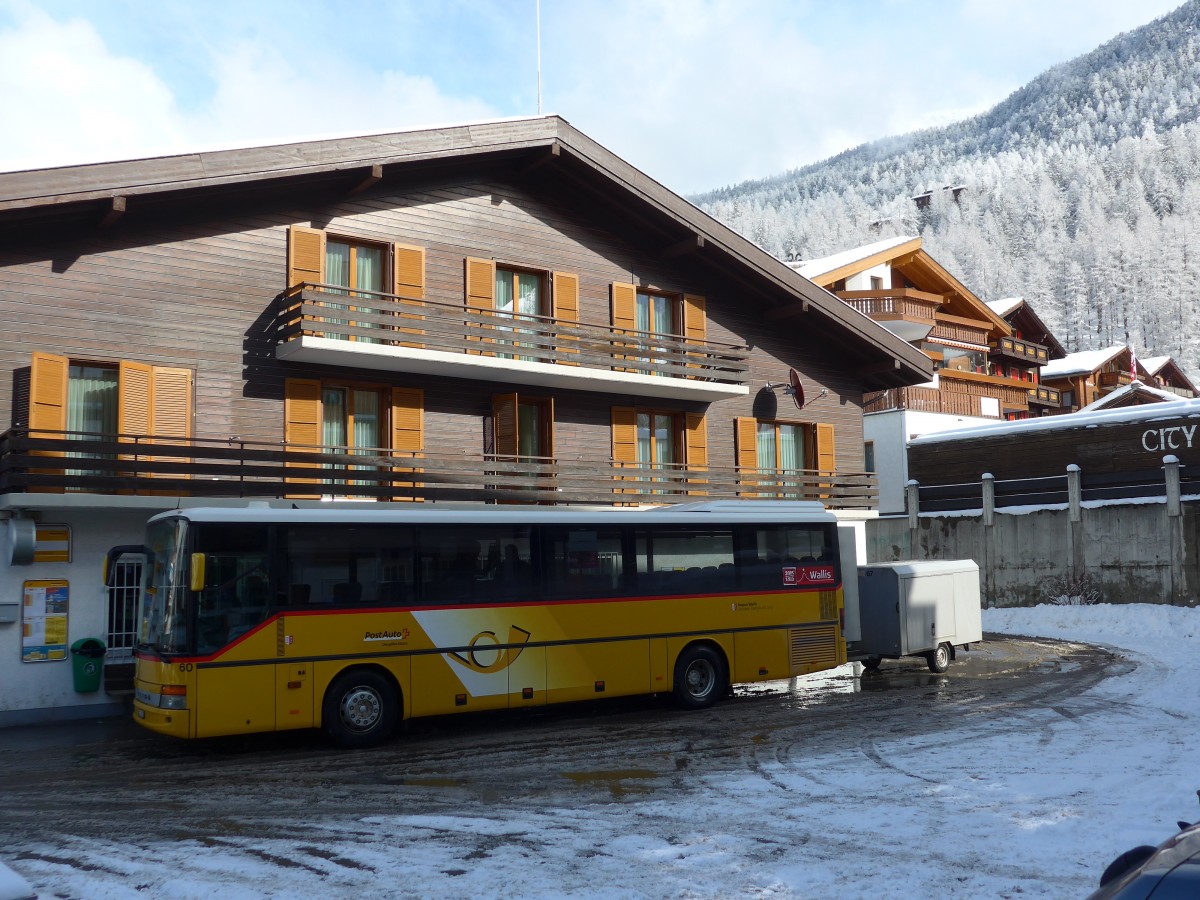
x: 797, y: 389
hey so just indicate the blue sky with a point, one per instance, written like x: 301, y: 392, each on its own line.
x: 697, y: 93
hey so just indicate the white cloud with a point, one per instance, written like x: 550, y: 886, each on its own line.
x: 67, y: 98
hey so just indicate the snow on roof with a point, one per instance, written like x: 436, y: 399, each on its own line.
x: 814, y: 267
x: 1078, y: 363
x: 1124, y: 391
x: 1150, y: 412
x: 1154, y: 363
x: 1003, y: 307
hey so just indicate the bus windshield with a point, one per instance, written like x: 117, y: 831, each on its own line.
x: 164, y: 588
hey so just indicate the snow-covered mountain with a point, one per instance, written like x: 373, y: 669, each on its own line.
x: 1080, y: 192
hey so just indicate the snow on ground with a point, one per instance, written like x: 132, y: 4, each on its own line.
x: 975, y: 811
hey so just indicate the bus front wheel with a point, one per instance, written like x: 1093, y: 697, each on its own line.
x: 699, y: 677
x: 360, y: 709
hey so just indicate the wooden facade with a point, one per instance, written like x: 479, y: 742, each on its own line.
x: 211, y: 300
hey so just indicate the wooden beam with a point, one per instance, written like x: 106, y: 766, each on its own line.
x: 787, y: 311
x: 116, y: 209
x: 549, y: 156
x: 879, y: 368
x: 689, y: 244
x: 374, y: 176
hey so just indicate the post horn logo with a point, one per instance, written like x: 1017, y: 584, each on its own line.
x: 505, y: 656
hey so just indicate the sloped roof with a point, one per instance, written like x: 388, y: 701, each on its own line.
x: 1082, y: 362
x: 1129, y: 394
x: 546, y: 147
x: 1154, y: 364
x: 1019, y: 313
x: 813, y: 269
x: 906, y: 254
x: 1005, y: 306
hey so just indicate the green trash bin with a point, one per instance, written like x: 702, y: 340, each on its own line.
x: 87, y: 664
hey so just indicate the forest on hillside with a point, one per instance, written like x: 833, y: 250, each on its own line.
x: 1080, y: 192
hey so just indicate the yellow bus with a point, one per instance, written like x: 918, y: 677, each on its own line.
x: 262, y: 619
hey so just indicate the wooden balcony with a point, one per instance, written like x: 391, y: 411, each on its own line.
x: 923, y: 399
x: 1045, y: 396
x: 1111, y: 380
x: 1023, y: 351
x: 132, y: 465
x: 314, y: 323
x: 960, y: 332
x: 905, y: 312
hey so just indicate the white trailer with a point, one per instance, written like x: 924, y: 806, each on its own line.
x: 917, y: 608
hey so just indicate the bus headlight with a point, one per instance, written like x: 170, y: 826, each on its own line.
x: 173, y: 696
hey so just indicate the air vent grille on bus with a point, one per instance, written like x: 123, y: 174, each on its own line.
x: 812, y: 648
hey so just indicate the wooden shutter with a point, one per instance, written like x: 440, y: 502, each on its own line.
x: 696, y: 446
x: 566, y: 313
x: 306, y: 255
x: 747, y: 454
x: 624, y: 442
x: 480, y: 294
x: 695, y: 324
x: 624, y: 318
x: 504, y: 420
x: 408, y: 435
x: 171, y: 410
x: 301, y: 425
x: 826, y: 456
x: 408, y: 264
x: 135, y: 404
x: 48, y: 377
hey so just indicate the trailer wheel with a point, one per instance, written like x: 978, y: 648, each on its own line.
x: 871, y: 663
x: 699, y: 677
x: 939, y: 659
x: 360, y: 709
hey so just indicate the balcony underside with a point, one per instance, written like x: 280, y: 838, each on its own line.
x: 447, y: 364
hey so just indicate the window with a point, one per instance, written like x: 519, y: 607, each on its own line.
x: 520, y: 296
x: 675, y: 444
x: 349, y: 266
x: 684, y: 560
x: 350, y: 566
x: 582, y: 561
x: 662, y: 330
x: 523, y: 427
x: 357, y: 419
x: 876, y: 283
x: 869, y: 456
x: 784, y: 456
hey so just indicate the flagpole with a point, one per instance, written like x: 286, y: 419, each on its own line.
x: 538, y: 14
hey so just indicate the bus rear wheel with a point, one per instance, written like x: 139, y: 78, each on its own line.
x: 699, y: 677
x: 360, y: 709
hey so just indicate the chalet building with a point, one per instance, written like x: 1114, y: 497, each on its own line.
x: 501, y: 312
x: 1083, y: 378
x: 986, y: 367
x: 1165, y: 374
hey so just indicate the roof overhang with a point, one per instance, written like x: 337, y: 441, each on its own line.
x: 104, y: 194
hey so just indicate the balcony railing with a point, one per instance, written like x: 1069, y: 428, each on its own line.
x: 923, y: 399
x: 371, y: 321
x: 902, y: 303
x: 1113, y: 379
x: 1026, y: 351
x: 1045, y: 396
x: 57, y: 462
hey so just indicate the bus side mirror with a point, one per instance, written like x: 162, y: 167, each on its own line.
x: 197, y: 572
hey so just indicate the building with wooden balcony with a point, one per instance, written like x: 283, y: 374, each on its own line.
x: 986, y: 357
x: 1165, y: 374
x: 501, y: 312
x: 1083, y: 378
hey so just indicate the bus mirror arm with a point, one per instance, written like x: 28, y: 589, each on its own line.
x: 110, y: 559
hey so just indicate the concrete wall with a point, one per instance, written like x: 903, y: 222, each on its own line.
x: 1130, y: 553
x: 37, y: 691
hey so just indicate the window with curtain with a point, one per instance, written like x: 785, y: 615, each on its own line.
x: 355, y: 267
x: 351, y: 422
x: 657, y: 441
x: 656, y: 314
x: 92, y: 404
x: 781, y: 452
x: 521, y: 297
